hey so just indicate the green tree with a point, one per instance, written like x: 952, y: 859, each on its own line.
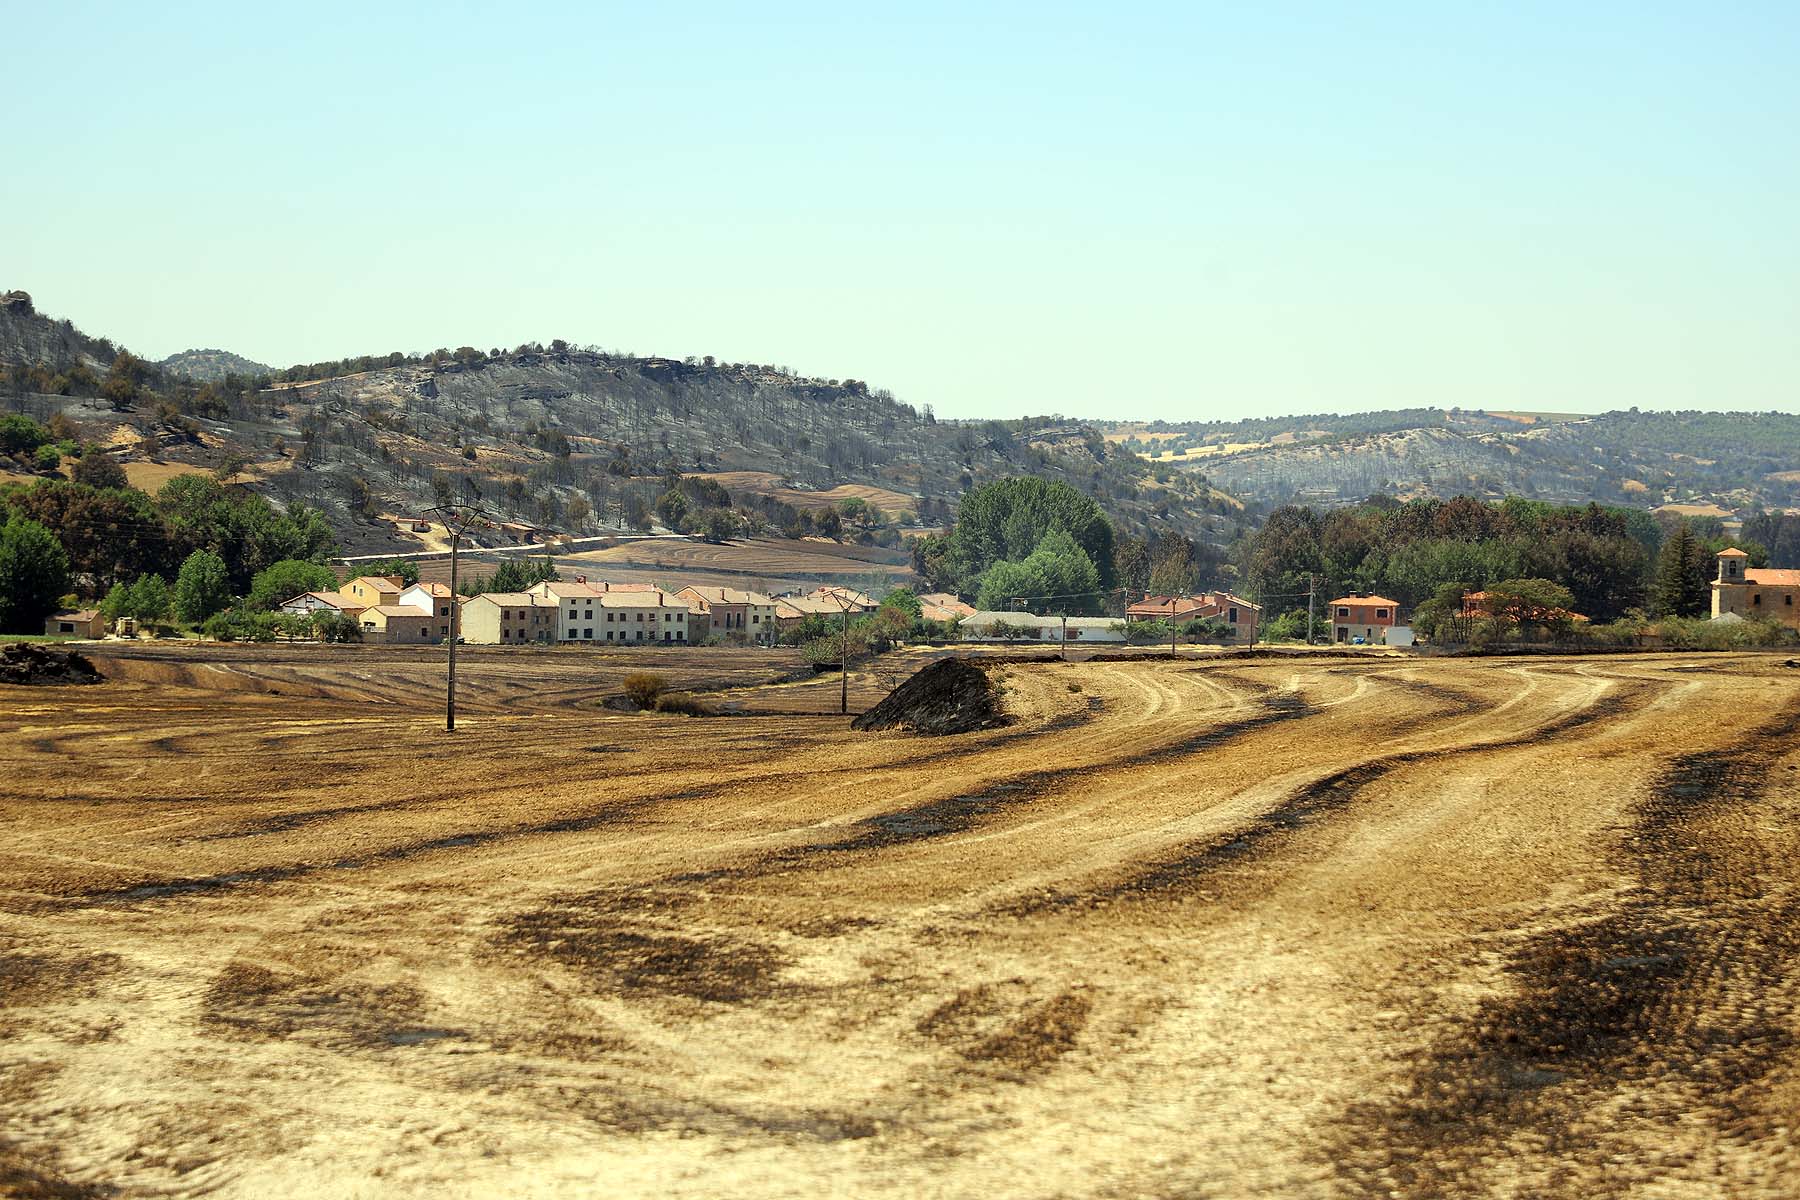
x: 1007, y: 519
x: 1680, y: 588
x: 284, y: 580
x: 20, y: 434
x: 1518, y: 603
x: 151, y: 598
x: 34, y: 574
x: 1004, y: 582
x: 202, y: 587
x: 906, y: 601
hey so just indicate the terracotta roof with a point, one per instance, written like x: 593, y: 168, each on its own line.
x: 1732, y: 552
x: 385, y: 583
x: 805, y: 606
x: 1382, y: 600
x: 1773, y: 578
x: 399, y: 610
x: 440, y: 590
x: 80, y: 614
x: 847, y: 595
x: 514, y: 599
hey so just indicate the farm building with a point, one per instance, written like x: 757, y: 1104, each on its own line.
x: 1365, y: 616
x: 1235, y: 612
x: 1029, y: 627
x: 399, y: 623
x: 86, y: 622
x: 1750, y: 592
x: 508, y: 618
x: 732, y: 614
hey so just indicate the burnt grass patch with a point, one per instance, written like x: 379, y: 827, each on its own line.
x: 638, y: 943
x: 1010, y: 1035
x: 1685, y: 985
x: 248, y: 1000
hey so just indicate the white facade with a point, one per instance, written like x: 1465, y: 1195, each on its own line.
x: 591, y: 616
x: 979, y: 628
x: 307, y: 603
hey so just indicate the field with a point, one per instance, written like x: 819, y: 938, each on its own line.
x: 767, y: 483
x: 761, y: 564
x: 1283, y: 926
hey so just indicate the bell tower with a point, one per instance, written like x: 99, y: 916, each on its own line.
x: 1731, y: 565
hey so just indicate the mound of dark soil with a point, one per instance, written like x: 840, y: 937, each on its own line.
x: 952, y: 696
x: 28, y: 662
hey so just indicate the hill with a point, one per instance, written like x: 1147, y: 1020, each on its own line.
x: 212, y: 365
x: 1735, y: 461
x: 559, y: 441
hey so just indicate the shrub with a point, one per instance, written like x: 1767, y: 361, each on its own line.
x: 685, y: 703
x: 643, y: 687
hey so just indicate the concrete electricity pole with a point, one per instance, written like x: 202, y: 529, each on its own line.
x: 458, y: 520
x: 1309, y: 608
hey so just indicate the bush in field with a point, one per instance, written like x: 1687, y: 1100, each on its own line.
x: 643, y: 687
x: 685, y: 703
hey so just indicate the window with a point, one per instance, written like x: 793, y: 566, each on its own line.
x: 588, y: 633
x: 1381, y: 614
x: 1231, y: 615
x: 1343, y: 611
x: 1756, y: 600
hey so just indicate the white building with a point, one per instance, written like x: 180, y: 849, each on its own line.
x: 433, y: 598
x: 1028, y: 627
x: 589, y: 614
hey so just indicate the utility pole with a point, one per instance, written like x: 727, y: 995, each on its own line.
x: 1309, y: 608
x: 843, y: 657
x: 1065, y: 637
x: 1171, y: 627
x: 458, y: 520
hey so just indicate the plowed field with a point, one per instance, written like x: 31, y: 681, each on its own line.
x: 1311, y: 927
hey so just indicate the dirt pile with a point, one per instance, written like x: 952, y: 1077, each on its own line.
x: 952, y: 696
x: 29, y: 663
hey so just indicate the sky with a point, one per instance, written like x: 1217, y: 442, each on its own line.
x: 1175, y: 211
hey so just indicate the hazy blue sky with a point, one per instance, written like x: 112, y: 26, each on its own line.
x: 1162, y: 210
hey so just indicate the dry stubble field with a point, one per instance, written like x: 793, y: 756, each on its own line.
x: 1275, y: 926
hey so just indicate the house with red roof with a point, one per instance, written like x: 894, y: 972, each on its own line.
x: 1363, y: 615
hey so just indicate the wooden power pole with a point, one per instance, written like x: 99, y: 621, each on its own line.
x: 458, y: 520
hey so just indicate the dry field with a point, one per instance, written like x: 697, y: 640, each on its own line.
x: 1282, y: 926
x: 767, y: 483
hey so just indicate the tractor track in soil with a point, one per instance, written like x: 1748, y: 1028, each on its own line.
x: 1280, y: 926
